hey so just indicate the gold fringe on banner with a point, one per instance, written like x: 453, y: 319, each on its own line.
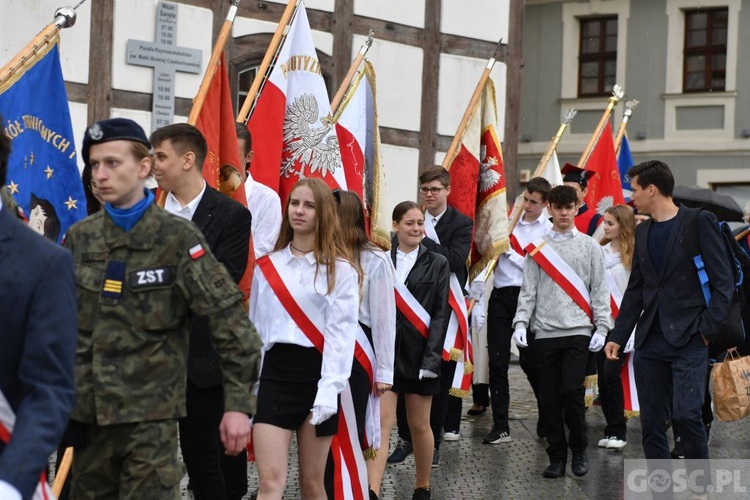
x: 459, y: 393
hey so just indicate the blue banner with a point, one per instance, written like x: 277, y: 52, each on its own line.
x: 624, y: 162
x: 43, y: 174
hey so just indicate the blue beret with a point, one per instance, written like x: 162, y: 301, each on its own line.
x: 114, y: 129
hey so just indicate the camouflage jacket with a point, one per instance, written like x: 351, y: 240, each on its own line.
x: 135, y: 293
x: 10, y: 204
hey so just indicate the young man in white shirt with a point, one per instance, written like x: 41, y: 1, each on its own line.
x: 262, y: 201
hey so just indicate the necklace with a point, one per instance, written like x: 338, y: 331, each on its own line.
x: 300, y: 251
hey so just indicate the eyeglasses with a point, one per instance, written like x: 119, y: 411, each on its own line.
x: 432, y: 190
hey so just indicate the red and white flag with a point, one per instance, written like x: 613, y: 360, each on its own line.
x: 293, y: 131
x: 222, y: 168
x: 478, y: 183
x: 359, y: 142
x: 604, y: 187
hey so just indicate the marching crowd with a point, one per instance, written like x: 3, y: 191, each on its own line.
x: 134, y: 333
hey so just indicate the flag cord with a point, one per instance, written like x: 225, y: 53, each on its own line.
x: 79, y: 4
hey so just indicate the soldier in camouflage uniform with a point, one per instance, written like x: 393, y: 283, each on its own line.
x: 139, y: 273
x: 10, y: 203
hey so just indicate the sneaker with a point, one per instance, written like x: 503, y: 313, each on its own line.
x: 436, y: 458
x: 615, y: 443
x: 497, y: 436
x: 421, y: 494
x: 603, y: 442
x: 451, y: 436
x: 580, y: 463
x: 678, y: 451
x: 403, y: 449
x: 554, y: 470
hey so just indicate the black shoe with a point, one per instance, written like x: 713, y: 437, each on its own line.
x: 373, y: 496
x: 478, y: 411
x: 421, y: 494
x: 436, y: 458
x: 554, y: 470
x: 580, y: 463
x: 403, y: 449
x: 678, y: 451
x: 496, y: 436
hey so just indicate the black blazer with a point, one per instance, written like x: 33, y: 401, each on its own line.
x: 676, y: 292
x: 38, y: 337
x: 225, y: 224
x: 455, y: 231
x: 429, y: 282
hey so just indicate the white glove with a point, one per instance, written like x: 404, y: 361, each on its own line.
x: 597, y: 342
x: 427, y: 374
x: 630, y: 344
x: 477, y: 290
x: 321, y: 413
x: 478, y: 316
x: 519, y: 337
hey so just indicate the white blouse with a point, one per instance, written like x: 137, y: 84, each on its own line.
x: 615, y: 267
x: 339, y: 309
x: 378, y: 310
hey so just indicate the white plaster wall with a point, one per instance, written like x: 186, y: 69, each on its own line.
x: 458, y: 79
x: 78, y: 119
x: 401, y: 172
x: 244, y: 26
x: 21, y: 20
x: 485, y: 19
x: 136, y: 19
x: 399, y: 76
x: 311, y: 4
x: 409, y: 12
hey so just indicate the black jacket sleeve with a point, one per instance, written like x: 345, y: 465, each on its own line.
x: 232, y: 248
x: 440, y: 314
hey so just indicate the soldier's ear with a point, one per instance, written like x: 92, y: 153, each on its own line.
x: 144, y: 167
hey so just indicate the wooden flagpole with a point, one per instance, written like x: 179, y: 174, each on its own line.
x: 62, y: 471
x: 566, y: 120
x: 273, y: 47
x: 345, y: 85
x: 453, y: 150
x: 213, y: 63
x: 65, y: 17
x: 629, y: 107
x: 617, y: 94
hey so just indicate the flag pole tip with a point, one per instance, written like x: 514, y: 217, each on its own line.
x: 370, y: 35
x: 65, y: 17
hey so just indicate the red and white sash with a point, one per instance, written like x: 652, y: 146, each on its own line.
x: 7, y: 422
x: 455, y: 347
x: 412, y: 310
x: 350, y: 471
x: 615, y: 295
x: 365, y: 355
x: 561, y: 273
x: 627, y: 378
x: 517, y: 245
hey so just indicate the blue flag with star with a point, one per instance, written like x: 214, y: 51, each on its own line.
x: 43, y: 173
x: 624, y: 162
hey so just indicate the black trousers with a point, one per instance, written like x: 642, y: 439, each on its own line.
x: 500, y: 312
x: 480, y: 394
x: 213, y: 474
x: 611, y: 396
x: 438, y: 412
x: 563, y: 361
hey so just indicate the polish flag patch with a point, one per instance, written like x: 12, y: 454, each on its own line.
x: 197, y: 252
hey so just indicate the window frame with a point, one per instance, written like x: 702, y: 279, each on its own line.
x: 708, y: 51
x: 602, y: 56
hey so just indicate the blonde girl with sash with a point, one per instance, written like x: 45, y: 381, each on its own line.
x: 304, y: 303
x: 619, y: 243
x: 422, y: 287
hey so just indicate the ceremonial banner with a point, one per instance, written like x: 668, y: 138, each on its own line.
x: 552, y: 172
x: 478, y: 183
x: 292, y: 127
x: 624, y: 162
x: 42, y: 172
x: 604, y: 188
x: 359, y: 141
x: 222, y: 168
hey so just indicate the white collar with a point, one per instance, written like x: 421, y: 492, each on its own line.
x: 173, y: 206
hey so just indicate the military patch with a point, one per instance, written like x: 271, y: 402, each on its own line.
x: 197, y: 252
x: 113, y: 279
x: 156, y: 277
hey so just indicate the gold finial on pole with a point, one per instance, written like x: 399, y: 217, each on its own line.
x: 629, y: 107
x: 617, y: 94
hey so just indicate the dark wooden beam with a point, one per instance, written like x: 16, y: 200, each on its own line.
x: 398, y: 137
x: 469, y: 47
x: 99, y: 96
x: 387, y: 30
x: 430, y: 77
x: 513, y: 97
x: 267, y: 11
x: 76, y: 92
x: 341, y: 29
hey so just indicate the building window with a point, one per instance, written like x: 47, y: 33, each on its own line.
x: 245, y: 79
x: 705, y: 53
x: 597, y: 56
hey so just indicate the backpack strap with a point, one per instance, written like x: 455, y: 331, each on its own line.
x: 692, y: 244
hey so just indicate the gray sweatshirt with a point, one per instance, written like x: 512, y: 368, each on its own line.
x: 550, y: 309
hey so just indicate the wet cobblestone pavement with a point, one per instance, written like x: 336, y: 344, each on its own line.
x: 471, y: 470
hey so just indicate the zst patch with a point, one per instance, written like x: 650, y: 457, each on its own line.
x: 158, y: 276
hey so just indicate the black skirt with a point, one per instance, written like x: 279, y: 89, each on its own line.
x: 424, y: 387
x: 288, y: 386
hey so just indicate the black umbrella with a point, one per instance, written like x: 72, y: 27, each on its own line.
x: 723, y: 206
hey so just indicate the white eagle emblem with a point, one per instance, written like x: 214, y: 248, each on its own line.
x: 488, y: 176
x: 306, y: 144
x: 604, y: 204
